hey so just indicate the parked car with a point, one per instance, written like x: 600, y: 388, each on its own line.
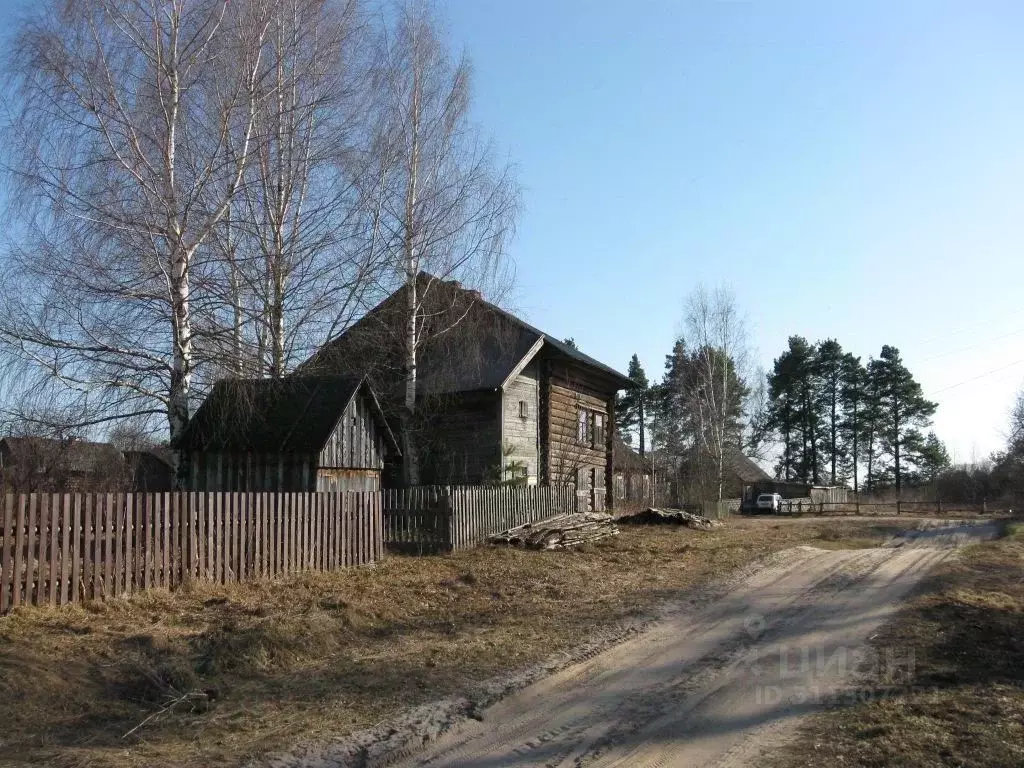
x: 769, y: 502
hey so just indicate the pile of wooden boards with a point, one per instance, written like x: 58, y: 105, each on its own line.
x: 558, y: 532
x: 674, y: 517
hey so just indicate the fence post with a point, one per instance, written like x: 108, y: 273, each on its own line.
x: 897, y: 507
x: 938, y: 504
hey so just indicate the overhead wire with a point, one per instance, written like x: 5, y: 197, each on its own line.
x: 979, y: 376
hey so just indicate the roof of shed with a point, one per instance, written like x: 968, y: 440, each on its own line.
x: 745, y: 468
x: 76, y: 455
x: 625, y: 459
x: 474, y: 345
x: 295, y: 414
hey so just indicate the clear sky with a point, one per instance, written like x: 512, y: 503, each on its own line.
x: 850, y: 169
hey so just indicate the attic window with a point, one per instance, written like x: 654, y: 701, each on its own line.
x: 524, y: 409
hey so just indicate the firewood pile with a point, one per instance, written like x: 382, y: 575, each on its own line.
x: 674, y: 517
x: 558, y: 532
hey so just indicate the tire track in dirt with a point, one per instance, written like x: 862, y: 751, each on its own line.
x: 715, y: 684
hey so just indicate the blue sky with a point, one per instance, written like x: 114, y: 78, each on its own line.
x: 852, y: 170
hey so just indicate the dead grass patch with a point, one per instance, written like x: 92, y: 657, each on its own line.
x: 322, y: 655
x: 964, y: 705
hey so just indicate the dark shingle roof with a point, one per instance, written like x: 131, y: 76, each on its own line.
x: 745, y: 469
x: 81, y: 456
x: 625, y: 459
x: 477, y: 352
x: 295, y: 414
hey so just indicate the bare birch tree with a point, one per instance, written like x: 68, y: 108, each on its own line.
x: 446, y: 209
x: 718, y: 334
x: 121, y: 174
x: 295, y: 252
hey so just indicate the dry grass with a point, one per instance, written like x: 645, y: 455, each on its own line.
x: 323, y: 655
x: 965, y: 704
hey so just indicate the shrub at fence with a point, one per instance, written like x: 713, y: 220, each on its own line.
x: 59, y: 548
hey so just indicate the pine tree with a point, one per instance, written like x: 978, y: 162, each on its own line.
x: 904, y: 411
x: 932, y: 458
x: 666, y: 403
x: 851, y: 428
x: 794, y: 411
x: 872, y: 420
x: 829, y: 369
x: 629, y: 407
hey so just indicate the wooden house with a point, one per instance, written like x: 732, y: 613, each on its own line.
x: 149, y: 470
x: 634, y: 474
x: 497, y: 400
x: 39, y: 464
x: 302, y: 433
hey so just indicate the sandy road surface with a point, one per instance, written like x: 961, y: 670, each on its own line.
x: 715, y: 686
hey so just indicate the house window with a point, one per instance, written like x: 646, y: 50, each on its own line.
x: 524, y: 409
x: 598, y: 431
x: 582, y: 425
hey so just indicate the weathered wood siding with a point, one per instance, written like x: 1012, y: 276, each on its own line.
x: 441, y: 518
x: 59, y: 548
x: 519, y: 430
x: 566, y: 389
x: 330, y: 480
x: 461, y: 439
x: 214, y: 471
x: 357, y: 442
x: 351, y: 460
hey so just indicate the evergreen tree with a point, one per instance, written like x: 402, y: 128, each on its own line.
x: 932, y: 459
x: 872, y: 420
x: 851, y: 428
x: 666, y: 403
x: 629, y: 407
x: 829, y: 372
x: 570, y: 342
x: 903, y: 411
x: 794, y: 413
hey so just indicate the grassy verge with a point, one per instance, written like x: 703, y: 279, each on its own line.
x: 964, y: 705
x: 319, y: 656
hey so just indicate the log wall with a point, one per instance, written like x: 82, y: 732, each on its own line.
x: 569, y: 388
x: 461, y: 439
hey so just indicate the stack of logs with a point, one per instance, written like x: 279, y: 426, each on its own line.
x: 675, y: 517
x: 558, y: 532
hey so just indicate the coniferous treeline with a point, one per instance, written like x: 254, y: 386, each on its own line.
x: 830, y: 418
x: 840, y: 421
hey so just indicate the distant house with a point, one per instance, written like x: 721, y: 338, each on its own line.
x: 741, y: 472
x: 41, y: 464
x: 149, y: 470
x: 633, y: 473
x: 497, y: 399
x: 301, y: 433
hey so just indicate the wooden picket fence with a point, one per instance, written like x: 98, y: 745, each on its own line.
x: 59, y: 548
x: 445, y: 518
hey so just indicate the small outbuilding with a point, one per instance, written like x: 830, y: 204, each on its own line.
x: 633, y: 473
x: 295, y: 434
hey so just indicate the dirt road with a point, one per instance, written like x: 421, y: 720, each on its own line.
x: 718, y: 685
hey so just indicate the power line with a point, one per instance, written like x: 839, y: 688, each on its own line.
x: 966, y: 328
x: 979, y: 376
x: 972, y: 346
